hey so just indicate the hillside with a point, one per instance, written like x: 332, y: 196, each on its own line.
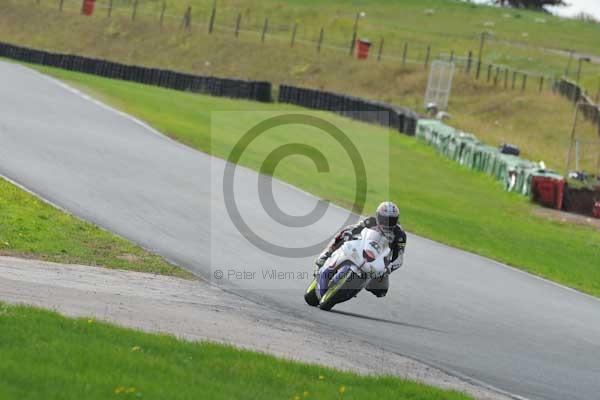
x: 539, y: 123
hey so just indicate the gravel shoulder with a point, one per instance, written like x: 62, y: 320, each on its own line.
x: 196, y: 310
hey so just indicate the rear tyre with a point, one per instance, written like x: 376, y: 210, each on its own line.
x: 310, y: 296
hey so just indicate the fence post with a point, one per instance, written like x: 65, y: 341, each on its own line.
x: 354, y: 33
x: 187, y: 19
x: 524, y: 83
x: 451, y: 55
x: 264, y: 31
x: 479, y: 57
x: 238, y: 22
x: 380, y: 52
x: 427, y: 54
x: 60, y: 5
x: 110, y: 7
x: 294, y: 29
x: 404, y: 53
x: 469, y: 62
x: 541, y: 83
x: 162, y: 13
x: 505, y: 78
x: 320, y: 42
x: 134, y: 11
x: 514, y: 80
x: 489, y: 72
x: 496, y: 76
x: 213, y: 14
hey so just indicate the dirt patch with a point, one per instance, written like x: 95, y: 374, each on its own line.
x: 196, y: 310
x: 570, y: 218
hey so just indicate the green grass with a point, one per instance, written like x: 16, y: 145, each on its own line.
x: 47, y: 356
x: 538, y: 124
x: 31, y: 228
x: 438, y: 198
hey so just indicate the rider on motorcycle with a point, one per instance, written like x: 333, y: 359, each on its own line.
x: 386, y: 221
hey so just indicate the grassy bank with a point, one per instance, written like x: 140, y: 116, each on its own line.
x: 538, y: 123
x: 45, y: 355
x: 32, y: 228
x: 439, y: 199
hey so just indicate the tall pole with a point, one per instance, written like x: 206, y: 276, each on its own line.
x: 573, y: 129
x: 354, y: 33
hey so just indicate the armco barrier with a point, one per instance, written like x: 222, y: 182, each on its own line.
x: 397, y: 118
x: 516, y: 174
x: 224, y: 87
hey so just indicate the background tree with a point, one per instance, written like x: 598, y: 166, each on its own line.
x: 530, y: 4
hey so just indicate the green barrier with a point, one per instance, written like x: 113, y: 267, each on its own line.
x: 513, y: 172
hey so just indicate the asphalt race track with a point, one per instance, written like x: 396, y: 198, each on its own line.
x: 463, y: 313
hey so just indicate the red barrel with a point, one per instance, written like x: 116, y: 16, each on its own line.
x: 548, y: 191
x: 87, y: 7
x: 362, y: 49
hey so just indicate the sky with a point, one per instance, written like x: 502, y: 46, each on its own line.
x: 575, y: 7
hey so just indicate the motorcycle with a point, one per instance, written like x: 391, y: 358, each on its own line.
x: 349, y: 269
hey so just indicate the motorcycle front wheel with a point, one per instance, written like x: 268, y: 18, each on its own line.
x: 346, y: 287
x: 310, y: 296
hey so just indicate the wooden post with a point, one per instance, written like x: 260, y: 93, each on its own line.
x: 213, y: 14
x: 134, y: 11
x: 294, y: 29
x: 514, y: 80
x: 541, y: 83
x: 320, y: 42
x: 162, y: 13
x: 427, y: 56
x: 452, y: 56
x: 505, y: 78
x: 380, y: 52
x: 524, y: 83
x: 404, y: 53
x: 489, y: 73
x: 354, y: 33
x: 110, y: 7
x: 469, y: 62
x: 496, y: 76
x: 238, y: 23
x: 186, y: 23
x: 264, y: 31
x: 60, y: 5
x: 480, y: 55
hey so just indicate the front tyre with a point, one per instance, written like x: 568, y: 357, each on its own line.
x: 310, y: 296
x: 348, y: 285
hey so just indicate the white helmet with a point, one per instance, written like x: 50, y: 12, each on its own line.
x: 387, y: 217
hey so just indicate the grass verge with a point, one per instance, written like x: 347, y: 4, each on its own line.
x: 31, y: 228
x: 439, y: 199
x: 45, y: 355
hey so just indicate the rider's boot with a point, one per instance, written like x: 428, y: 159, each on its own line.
x: 320, y: 261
